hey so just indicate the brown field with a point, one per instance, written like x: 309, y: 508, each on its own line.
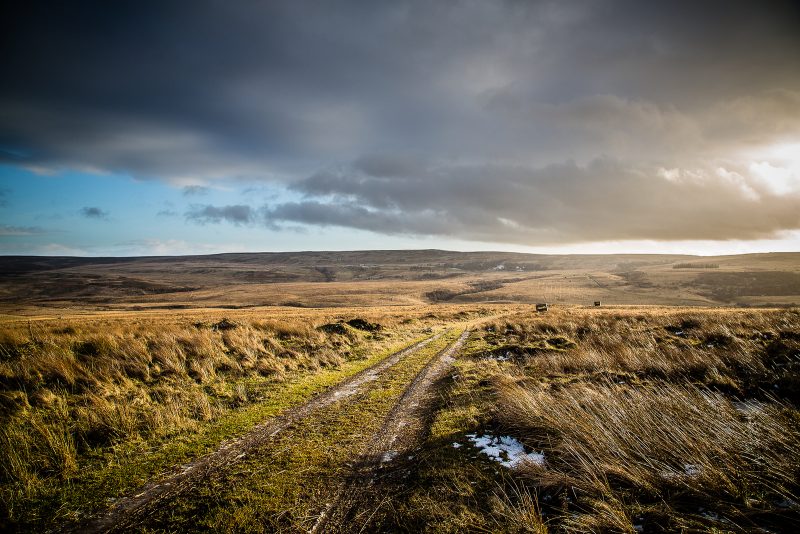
x: 36, y: 285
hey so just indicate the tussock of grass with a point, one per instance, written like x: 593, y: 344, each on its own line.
x: 744, y: 353
x: 515, y: 504
x: 657, y: 442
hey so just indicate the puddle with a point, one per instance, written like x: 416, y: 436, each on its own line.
x: 388, y: 456
x: 505, y: 450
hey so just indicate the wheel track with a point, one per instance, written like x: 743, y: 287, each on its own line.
x: 131, y: 510
x: 350, y: 507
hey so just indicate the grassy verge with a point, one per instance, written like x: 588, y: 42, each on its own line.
x: 54, y: 475
x: 285, y: 485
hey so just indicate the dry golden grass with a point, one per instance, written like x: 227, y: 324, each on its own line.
x: 606, y: 439
x: 658, y: 418
x: 648, y: 419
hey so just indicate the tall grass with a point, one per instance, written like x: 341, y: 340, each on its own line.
x: 743, y: 353
x: 657, y: 439
x: 70, y: 389
x: 659, y: 420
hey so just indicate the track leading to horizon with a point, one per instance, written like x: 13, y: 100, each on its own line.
x: 298, y: 469
x: 134, y: 509
x: 352, y: 503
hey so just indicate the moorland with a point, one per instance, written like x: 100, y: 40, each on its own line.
x: 389, y: 278
x: 400, y: 391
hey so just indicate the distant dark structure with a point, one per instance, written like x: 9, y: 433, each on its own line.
x: 541, y: 308
x: 696, y: 266
x: 597, y: 304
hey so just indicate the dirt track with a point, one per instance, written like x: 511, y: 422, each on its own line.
x: 132, y: 510
x: 352, y: 503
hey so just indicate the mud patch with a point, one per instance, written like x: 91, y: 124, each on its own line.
x: 333, y: 328
x: 362, y: 324
x: 224, y: 324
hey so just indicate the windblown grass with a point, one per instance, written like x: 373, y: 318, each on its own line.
x: 661, y: 450
x: 743, y: 353
x: 657, y: 420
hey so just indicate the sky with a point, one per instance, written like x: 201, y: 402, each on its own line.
x: 166, y: 127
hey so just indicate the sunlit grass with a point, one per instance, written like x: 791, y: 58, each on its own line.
x: 94, y: 408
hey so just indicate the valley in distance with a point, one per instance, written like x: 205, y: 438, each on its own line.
x: 400, y: 391
x: 33, y: 284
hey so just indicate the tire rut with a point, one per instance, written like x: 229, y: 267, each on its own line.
x: 352, y: 504
x: 131, y: 510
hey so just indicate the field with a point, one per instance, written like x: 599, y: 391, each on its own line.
x: 139, y: 395
x: 63, y: 286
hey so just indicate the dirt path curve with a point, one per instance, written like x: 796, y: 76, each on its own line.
x: 351, y: 505
x: 129, y: 510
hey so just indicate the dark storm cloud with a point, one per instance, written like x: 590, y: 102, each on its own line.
x: 236, y: 214
x: 92, y: 212
x: 504, y: 121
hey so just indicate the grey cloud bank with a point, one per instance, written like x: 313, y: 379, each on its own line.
x: 517, y: 122
x: 604, y: 200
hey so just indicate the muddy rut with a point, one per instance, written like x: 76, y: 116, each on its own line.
x: 133, y: 510
x: 350, y: 506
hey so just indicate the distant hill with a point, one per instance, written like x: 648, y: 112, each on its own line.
x: 392, y: 277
